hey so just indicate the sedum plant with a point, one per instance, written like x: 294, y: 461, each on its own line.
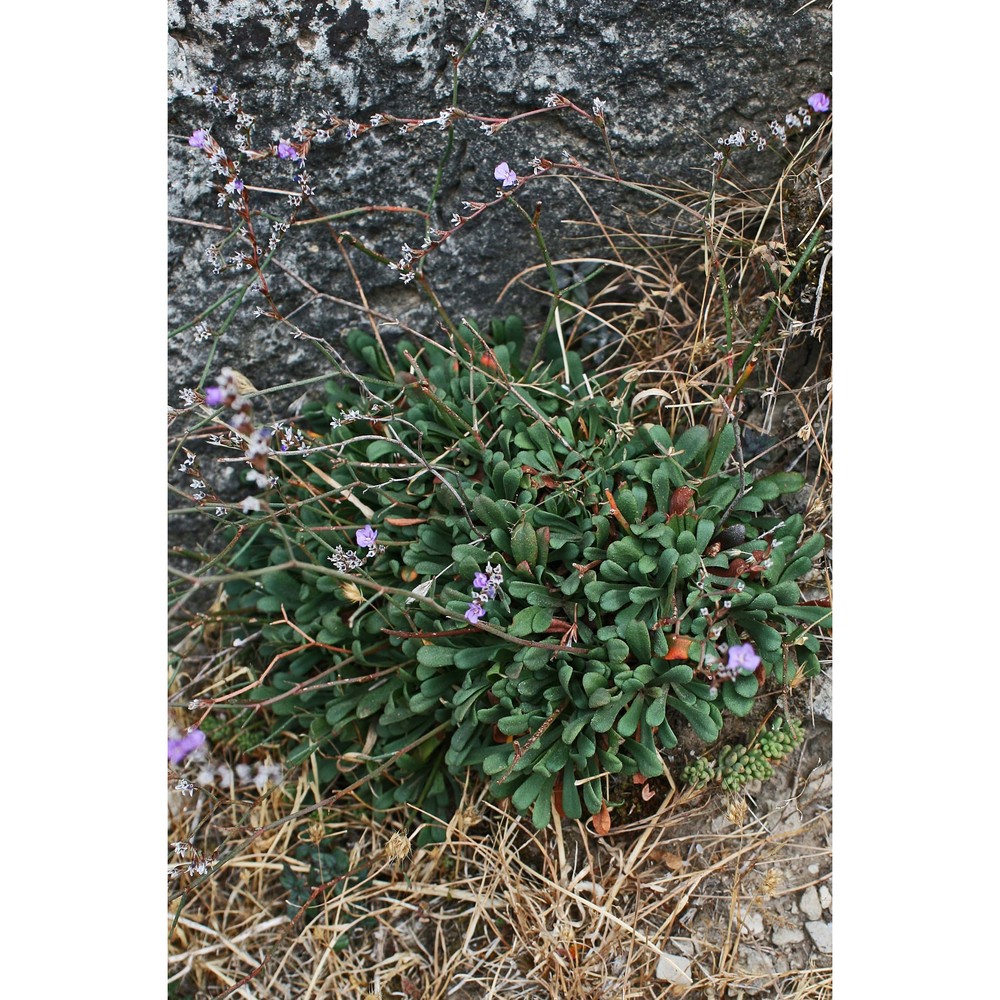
x: 734, y: 765
x: 517, y: 571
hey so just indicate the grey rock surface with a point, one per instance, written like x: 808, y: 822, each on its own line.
x: 675, y: 75
x: 754, y: 962
x: 822, y: 935
x: 810, y: 905
x: 825, y: 897
x: 787, y: 935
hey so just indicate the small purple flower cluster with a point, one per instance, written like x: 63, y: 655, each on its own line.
x: 290, y: 438
x: 485, y: 589
x: 202, y: 139
x: 178, y: 749
x: 231, y: 391
x: 347, y: 562
x: 740, y: 659
x: 743, y: 658
x: 505, y: 175
x: 819, y: 101
x: 759, y: 139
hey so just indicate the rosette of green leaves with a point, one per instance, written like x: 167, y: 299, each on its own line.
x: 598, y: 646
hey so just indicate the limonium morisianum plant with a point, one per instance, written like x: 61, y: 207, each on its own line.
x: 470, y: 564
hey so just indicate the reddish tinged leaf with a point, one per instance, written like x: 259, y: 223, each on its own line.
x: 405, y: 522
x: 558, y: 799
x: 736, y: 567
x: 639, y: 779
x: 647, y: 792
x: 602, y: 821
x: 615, y: 511
x: 680, y: 501
x: 558, y: 627
x: 550, y: 481
x: 677, y: 647
x: 760, y: 673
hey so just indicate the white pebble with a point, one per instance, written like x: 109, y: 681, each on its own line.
x: 674, y: 969
x: 822, y: 934
x: 825, y: 897
x: 810, y: 904
x: 787, y: 935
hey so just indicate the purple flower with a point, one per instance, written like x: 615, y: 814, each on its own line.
x: 286, y: 151
x: 480, y: 581
x: 178, y: 749
x: 198, y: 138
x: 818, y: 101
x: 475, y: 612
x: 215, y: 395
x: 366, y: 536
x: 505, y: 174
x: 743, y: 658
x: 238, y: 186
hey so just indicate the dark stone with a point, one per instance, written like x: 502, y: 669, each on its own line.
x: 675, y: 75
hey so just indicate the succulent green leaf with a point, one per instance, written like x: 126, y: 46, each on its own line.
x: 662, y: 488
x: 570, y: 795
x: 722, y: 448
x: 524, y: 543
x: 735, y: 702
x: 629, y: 722
x: 526, y: 793
x: 625, y: 551
x: 487, y: 511
x: 542, y: 811
x: 679, y: 674
x: 692, y: 443
x: 637, y: 637
x: 436, y: 656
x: 627, y: 504
x: 605, y: 716
x: 811, y: 547
x: 592, y: 798
x: 639, y: 595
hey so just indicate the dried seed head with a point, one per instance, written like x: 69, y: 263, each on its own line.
x: 398, y: 847
x: 736, y: 811
x: 772, y: 880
